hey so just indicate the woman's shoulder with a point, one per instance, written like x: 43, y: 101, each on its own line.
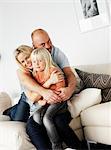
x: 21, y: 72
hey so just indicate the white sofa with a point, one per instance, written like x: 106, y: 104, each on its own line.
x: 91, y: 120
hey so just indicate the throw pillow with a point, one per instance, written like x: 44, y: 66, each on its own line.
x: 106, y: 95
x: 79, y: 82
x: 83, y: 100
x: 101, y: 81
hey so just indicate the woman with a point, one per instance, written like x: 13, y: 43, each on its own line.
x: 21, y: 111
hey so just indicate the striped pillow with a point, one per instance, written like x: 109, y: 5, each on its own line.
x: 100, y: 81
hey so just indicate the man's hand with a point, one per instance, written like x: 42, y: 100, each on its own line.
x: 51, y: 96
x: 65, y: 93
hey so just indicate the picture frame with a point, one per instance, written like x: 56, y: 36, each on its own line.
x: 92, y: 14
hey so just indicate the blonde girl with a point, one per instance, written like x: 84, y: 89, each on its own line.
x: 43, y: 70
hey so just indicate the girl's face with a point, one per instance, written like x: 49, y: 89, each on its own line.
x: 38, y: 64
x: 25, y: 61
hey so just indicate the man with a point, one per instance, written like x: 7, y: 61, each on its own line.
x: 40, y: 38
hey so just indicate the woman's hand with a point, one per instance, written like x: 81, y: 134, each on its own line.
x: 42, y: 102
x: 50, y: 96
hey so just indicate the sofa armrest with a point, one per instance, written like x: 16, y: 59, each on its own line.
x: 83, y: 100
x: 4, y: 118
x: 13, y: 135
x: 5, y: 101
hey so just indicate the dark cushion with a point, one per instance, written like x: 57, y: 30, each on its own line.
x: 106, y: 95
x: 101, y: 81
x: 94, y: 80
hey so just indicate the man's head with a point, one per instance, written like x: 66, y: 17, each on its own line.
x: 40, y: 39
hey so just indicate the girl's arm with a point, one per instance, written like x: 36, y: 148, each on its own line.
x: 55, y: 77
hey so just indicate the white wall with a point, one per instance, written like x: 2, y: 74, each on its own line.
x: 110, y: 31
x: 19, y: 18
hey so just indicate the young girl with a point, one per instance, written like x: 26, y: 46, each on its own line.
x: 43, y: 70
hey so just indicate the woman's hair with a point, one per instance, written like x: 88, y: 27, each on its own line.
x: 26, y: 50
x: 46, y: 56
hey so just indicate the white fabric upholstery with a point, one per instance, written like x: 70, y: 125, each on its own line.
x: 76, y: 123
x: 100, y: 134
x: 5, y: 101
x: 13, y: 134
x: 99, y: 115
x: 4, y: 118
x: 83, y: 100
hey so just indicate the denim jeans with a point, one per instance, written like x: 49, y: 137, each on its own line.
x: 67, y: 135
x: 46, y: 115
x: 20, y: 111
x: 39, y: 137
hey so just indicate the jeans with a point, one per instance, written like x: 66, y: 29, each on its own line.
x: 20, y: 111
x: 46, y: 115
x: 65, y: 132
x: 39, y: 137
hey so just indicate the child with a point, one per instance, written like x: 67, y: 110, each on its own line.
x: 43, y: 71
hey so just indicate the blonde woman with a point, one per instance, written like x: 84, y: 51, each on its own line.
x: 43, y: 70
x: 28, y: 100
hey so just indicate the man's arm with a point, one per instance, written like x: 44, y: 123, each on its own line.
x: 27, y: 80
x: 71, y: 84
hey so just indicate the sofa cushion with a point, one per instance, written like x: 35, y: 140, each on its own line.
x: 13, y: 134
x: 106, y: 95
x: 75, y: 123
x: 4, y: 118
x: 98, y: 115
x: 5, y: 101
x: 99, y: 134
x: 79, y: 82
x: 101, y: 81
x: 83, y: 100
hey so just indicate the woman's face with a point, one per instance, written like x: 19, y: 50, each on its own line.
x: 24, y: 61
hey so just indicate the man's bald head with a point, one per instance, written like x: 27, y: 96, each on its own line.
x: 40, y: 38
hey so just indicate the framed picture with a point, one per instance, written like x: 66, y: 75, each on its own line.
x: 92, y: 14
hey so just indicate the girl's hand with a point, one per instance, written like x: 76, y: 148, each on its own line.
x: 56, y: 77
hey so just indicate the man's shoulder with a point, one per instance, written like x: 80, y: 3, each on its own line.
x: 56, y: 51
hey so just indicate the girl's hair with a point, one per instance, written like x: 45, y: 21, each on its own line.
x: 26, y: 50
x: 46, y: 56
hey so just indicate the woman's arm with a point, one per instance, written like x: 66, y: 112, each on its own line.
x: 27, y: 80
x: 34, y: 97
